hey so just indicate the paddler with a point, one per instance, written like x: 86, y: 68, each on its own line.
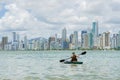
x: 74, y: 57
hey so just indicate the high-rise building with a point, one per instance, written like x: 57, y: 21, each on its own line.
x: 55, y: 37
x: 14, y: 37
x: 75, y: 39
x: 64, y: 39
x: 51, y: 39
x: 71, y: 38
x: 86, y: 41
x: 82, y: 38
x: 106, y: 40
x: 95, y: 29
x: 90, y: 40
x: 25, y: 42
x: 118, y: 40
x: 100, y: 41
x: 114, y: 41
x: 95, y: 33
x: 64, y: 34
x: 15, y: 41
x: 4, y: 42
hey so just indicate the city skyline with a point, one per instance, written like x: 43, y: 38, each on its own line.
x: 90, y: 39
x: 47, y: 17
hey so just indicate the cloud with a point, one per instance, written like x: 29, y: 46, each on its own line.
x: 114, y: 20
x: 47, y: 17
x: 115, y: 6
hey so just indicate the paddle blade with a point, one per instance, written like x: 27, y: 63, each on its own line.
x: 83, y: 53
x: 62, y: 60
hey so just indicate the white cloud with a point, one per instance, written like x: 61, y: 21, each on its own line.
x: 47, y: 17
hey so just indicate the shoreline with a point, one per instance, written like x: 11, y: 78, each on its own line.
x: 67, y: 50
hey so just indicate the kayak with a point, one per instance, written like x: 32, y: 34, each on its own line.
x: 69, y: 62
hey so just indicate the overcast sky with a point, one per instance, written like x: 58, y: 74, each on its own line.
x: 44, y: 18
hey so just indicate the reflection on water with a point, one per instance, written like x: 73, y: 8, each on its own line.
x: 31, y: 78
x: 73, y: 65
x: 45, y: 65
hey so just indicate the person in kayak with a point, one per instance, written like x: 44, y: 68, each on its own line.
x: 74, y: 57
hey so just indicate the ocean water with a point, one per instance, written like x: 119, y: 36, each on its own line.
x: 45, y: 65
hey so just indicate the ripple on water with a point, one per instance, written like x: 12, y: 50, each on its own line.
x: 57, y: 78
x: 5, y: 78
x: 31, y: 78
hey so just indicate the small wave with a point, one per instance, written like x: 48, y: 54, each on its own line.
x: 56, y: 78
x: 31, y: 78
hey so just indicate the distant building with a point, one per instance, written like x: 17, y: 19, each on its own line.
x: 25, y: 43
x: 75, y: 39
x: 82, y: 37
x: 86, y: 41
x: 14, y: 37
x: 65, y: 44
x: 71, y: 38
x: 4, y: 42
x: 95, y: 29
x: 114, y: 41
x: 21, y: 45
x: 100, y: 42
x: 15, y: 41
x: 64, y: 35
x: 50, y: 40
x: 106, y: 40
x: 90, y: 40
x: 8, y: 46
x: 95, y: 33
x: 118, y: 40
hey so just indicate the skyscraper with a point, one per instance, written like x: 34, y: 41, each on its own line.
x: 95, y: 29
x: 15, y: 42
x: 86, y: 41
x: 64, y: 34
x: 51, y: 39
x: 82, y: 38
x: 14, y: 37
x: 106, y: 40
x: 64, y: 39
x: 71, y: 38
x: 95, y: 33
x: 4, y: 42
x: 90, y: 40
x: 75, y: 39
x: 118, y: 40
x: 100, y: 41
x: 25, y: 42
x: 114, y: 41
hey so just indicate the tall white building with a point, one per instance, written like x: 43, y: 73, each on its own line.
x: 15, y: 41
x: 100, y: 42
x: 25, y: 42
x: 86, y: 41
x: 75, y: 39
x: 64, y: 34
x: 114, y: 41
x: 106, y: 40
x: 65, y: 44
x: 118, y: 40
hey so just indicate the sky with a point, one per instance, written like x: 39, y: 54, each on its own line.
x: 44, y: 18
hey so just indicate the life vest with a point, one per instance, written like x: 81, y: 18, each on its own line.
x: 74, y: 58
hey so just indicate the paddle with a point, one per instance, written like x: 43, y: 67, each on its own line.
x: 69, y: 58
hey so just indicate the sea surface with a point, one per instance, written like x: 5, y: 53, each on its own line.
x: 45, y: 65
